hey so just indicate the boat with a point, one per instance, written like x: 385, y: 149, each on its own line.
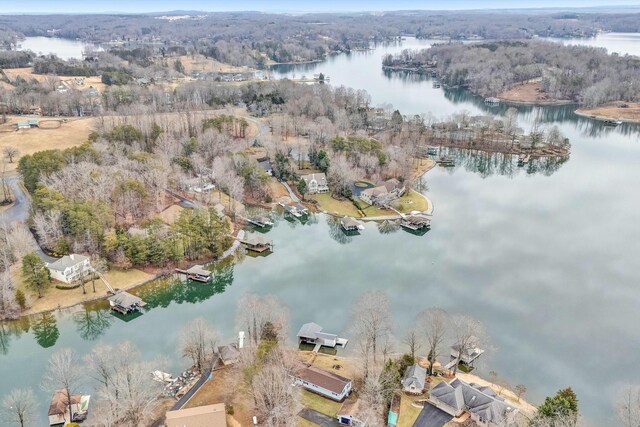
x: 612, y: 123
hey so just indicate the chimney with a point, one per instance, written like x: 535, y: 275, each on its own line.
x: 240, y: 339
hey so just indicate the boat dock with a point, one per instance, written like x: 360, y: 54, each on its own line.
x: 257, y: 244
x: 349, y: 224
x: 260, y: 221
x: 197, y: 273
x: 446, y: 162
x: 125, y: 303
x: 415, y: 223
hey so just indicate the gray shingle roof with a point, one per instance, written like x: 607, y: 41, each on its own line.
x: 125, y: 299
x: 415, y: 375
x: 309, y: 330
x: 67, y: 261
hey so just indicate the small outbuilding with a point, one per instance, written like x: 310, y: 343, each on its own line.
x: 414, y: 380
x: 125, y: 303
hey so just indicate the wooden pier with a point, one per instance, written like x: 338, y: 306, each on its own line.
x: 197, y: 273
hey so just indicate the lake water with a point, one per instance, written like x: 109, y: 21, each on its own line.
x: 620, y: 43
x: 545, y: 256
x: 63, y: 48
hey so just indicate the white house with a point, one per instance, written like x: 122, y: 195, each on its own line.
x: 324, y: 383
x: 70, y: 268
x: 484, y: 406
x: 316, y: 183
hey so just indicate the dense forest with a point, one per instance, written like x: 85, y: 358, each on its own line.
x: 578, y: 73
x: 245, y: 38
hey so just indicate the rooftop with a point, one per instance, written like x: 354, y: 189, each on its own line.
x: 201, y: 416
x: 125, y: 299
x: 67, y: 261
x: 325, y: 379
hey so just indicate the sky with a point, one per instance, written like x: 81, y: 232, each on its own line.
x: 142, y: 6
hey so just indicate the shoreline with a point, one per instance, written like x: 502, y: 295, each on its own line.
x: 549, y: 103
x: 583, y: 113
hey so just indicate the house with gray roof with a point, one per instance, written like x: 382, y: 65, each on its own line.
x: 484, y: 406
x: 311, y: 333
x: 316, y: 183
x: 70, y: 268
x: 324, y: 383
x: 414, y: 380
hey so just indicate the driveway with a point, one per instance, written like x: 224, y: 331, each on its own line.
x: 20, y: 210
x: 318, y: 418
x: 430, y: 416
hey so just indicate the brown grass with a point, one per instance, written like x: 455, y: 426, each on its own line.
x: 199, y: 63
x: 227, y: 386
x: 613, y: 111
x: 27, y: 74
x: 70, y: 134
x: 54, y: 298
x: 530, y: 92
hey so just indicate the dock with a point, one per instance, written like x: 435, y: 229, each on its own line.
x: 523, y: 160
x: 197, y: 273
x: 257, y: 244
x: 296, y: 210
x: 125, y: 303
x: 350, y: 224
x: 415, y: 223
x: 446, y: 162
x: 260, y: 221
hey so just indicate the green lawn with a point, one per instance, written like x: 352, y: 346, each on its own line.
x: 337, y: 207
x: 412, y: 201
x: 320, y: 404
x: 408, y: 412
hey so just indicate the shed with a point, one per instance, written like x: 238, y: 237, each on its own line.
x: 123, y: 302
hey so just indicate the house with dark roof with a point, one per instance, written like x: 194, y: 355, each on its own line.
x: 484, y: 406
x: 414, y: 380
x: 229, y: 354
x: 324, y: 383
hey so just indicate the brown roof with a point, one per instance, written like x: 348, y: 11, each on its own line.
x: 60, y: 404
x: 325, y: 379
x: 201, y: 416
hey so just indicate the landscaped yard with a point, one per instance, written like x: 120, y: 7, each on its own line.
x: 320, y: 404
x: 412, y: 201
x: 337, y: 207
x: 408, y: 412
x: 371, y: 210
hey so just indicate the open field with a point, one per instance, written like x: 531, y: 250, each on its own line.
x: 27, y: 73
x: 199, y: 63
x: 529, y: 93
x: 70, y: 134
x: 54, y: 298
x: 614, y: 111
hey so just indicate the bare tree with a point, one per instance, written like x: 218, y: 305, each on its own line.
x: 262, y: 317
x: 277, y: 401
x: 628, y: 408
x: 10, y: 153
x: 520, y: 390
x: 19, y: 407
x: 468, y: 334
x: 433, y: 325
x: 371, y: 327
x: 64, y: 372
x: 129, y: 392
x: 412, y: 340
x: 198, y: 342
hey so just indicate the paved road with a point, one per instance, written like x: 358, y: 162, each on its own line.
x: 20, y: 210
x: 19, y: 213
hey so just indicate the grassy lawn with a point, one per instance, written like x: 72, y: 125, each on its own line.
x: 122, y: 279
x: 338, y: 207
x: 408, y: 412
x: 324, y: 350
x: 320, y: 404
x: 412, y: 201
x: 371, y: 210
x: 304, y: 423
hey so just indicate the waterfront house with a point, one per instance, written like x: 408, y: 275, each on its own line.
x: 70, y: 268
x: 324, y: 383
x: 414, y: 380
x: 484, y: 406
x: 384, y: 193
x: 200, y: 416
x: 316, y: 183
x: 59, y: 408
x: 311, y: 333
x: 229, y: 354
x: 124, y: 303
